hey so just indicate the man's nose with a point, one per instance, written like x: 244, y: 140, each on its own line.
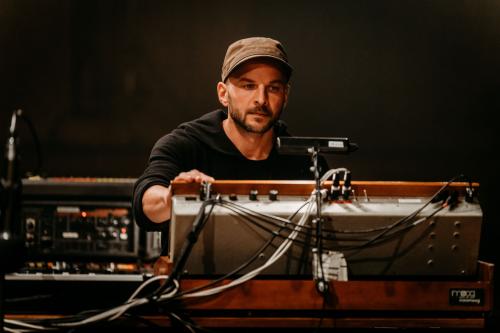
x: 261, y: 96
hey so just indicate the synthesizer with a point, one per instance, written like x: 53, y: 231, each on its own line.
x: 83, y: 219
x: 382, y: 228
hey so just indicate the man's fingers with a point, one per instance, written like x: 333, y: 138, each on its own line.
x: 204, y: 178
x: 194, y: 176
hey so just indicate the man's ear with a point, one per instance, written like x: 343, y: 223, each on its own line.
x: 222, y: 93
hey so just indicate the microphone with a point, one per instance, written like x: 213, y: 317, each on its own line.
x: 297, y: 145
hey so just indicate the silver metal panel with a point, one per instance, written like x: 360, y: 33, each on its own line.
x: 446, y: 244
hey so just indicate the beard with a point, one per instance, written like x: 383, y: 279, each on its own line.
x: 240, y: 119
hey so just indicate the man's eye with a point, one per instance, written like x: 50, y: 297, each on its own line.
x: 249, y: 86
x: 275, y: 89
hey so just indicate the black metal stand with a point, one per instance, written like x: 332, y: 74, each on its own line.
x: 2, y: 310
x: 313, y: 146
x: 12, y: 252
x: 321, y: 284
x: 12, y: 249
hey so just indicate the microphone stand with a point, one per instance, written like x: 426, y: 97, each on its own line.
x: 11, y: 245
x: 2, y: 280
x: 321, y: 284
x: 313, y: 146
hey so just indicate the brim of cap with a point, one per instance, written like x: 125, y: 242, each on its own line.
x: 253, y: 56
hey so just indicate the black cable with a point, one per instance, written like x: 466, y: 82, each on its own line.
x: 160, y: 290
x: 290, y: 226
x: 377, y: 239
x: 372, y: 241
x: 265, y: 215
x: 267, y: 218
x: 143, y: 320
x: 198, y: 225
x: 190, y: 325
x: 233, y: 272
x: 387, y: 236
x: 320, y: 258
x: 304, y: 255
x: 38, y: 147
x: 19, y: 114
x: 404, y: 219
x: 322, y: 314
x: 275, y: 233
x: 28, y: 298
x: 84, y: 315
x: 175, y: 318
x: 242, y: 266
x: 270, y: 231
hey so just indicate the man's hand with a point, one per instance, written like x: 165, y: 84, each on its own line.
x: 193, y: 176
x: 157, y: 200
x: 163, y: 266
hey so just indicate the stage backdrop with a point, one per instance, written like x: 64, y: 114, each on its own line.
x: 414, y: 83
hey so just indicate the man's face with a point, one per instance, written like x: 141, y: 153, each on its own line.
x: 255, y: 94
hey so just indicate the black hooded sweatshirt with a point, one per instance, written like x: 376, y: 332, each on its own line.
x: 203, y: 145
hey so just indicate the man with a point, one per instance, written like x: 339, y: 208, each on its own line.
x: 233, y: 144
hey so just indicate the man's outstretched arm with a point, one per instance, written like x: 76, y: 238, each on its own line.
x: 157, y: 199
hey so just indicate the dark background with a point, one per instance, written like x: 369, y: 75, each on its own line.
x: 414, y: 83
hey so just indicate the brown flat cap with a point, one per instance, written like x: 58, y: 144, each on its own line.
x: 254, y: 47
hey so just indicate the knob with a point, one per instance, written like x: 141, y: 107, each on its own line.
x: 346, y: 187
x: 233, y: 197
x: 253, y: 195
x: 335, y: 189
x: 273, y: 195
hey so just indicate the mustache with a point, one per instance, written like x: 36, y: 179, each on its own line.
x: 261, y: 110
